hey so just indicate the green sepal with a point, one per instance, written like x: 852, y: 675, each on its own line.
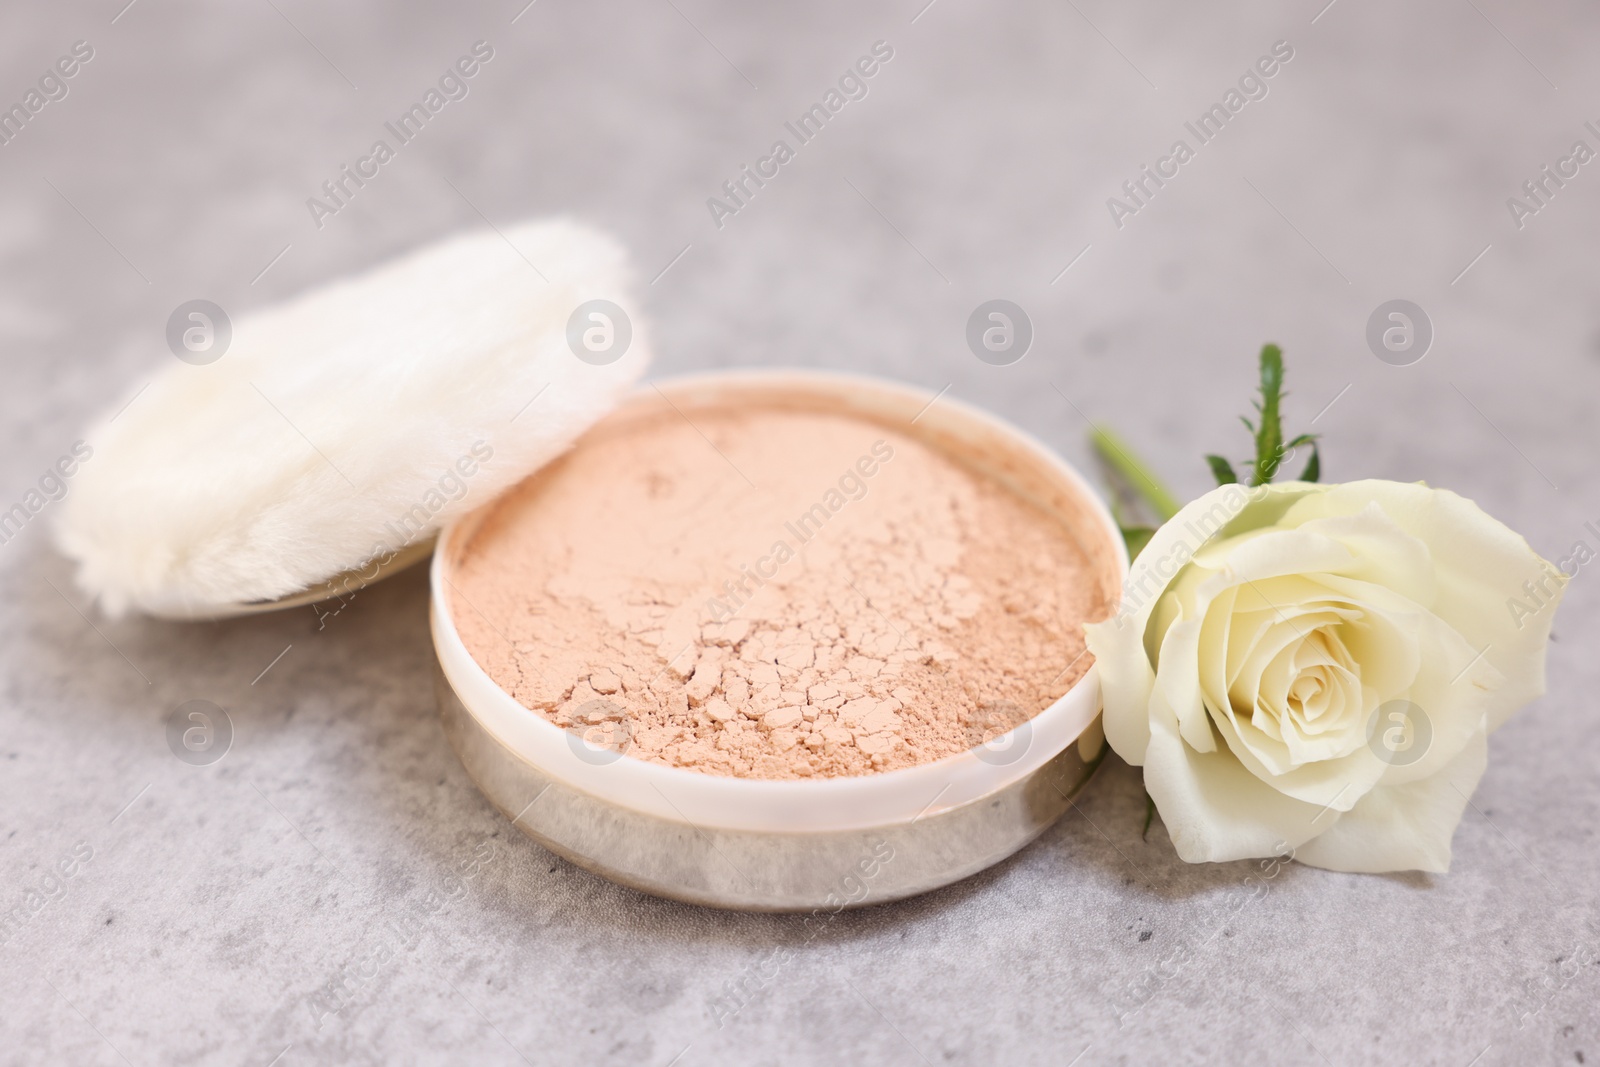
x: 1136, y: 537
x: 1222, y: 471
x: 1313, y: 469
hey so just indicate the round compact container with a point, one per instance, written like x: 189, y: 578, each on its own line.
x: 802, y: 845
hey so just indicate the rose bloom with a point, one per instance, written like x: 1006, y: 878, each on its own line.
x: 1318, y: 668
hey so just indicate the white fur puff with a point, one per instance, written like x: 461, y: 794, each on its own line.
x: 333, y: 416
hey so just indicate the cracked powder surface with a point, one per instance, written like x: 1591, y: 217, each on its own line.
x: 773, y: 593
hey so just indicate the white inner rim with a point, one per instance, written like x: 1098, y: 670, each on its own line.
x: 808, y: 805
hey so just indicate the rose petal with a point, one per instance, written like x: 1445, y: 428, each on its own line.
x: 1334, y: 783
x: 1381, y: 551
x: 1455, y: 707
x: 1385, y: 646
x: 1214, y: 809
x: 1400, y: 592
x: 1178, y: 683
x: 1402, y: 827
x: 1121, y: 661
x: 1126, y: 682
x: 1215, y: 647
x: 1481, y: 567
x: 1277, y: 554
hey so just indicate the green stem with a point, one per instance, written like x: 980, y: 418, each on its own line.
x: 1124, y: 462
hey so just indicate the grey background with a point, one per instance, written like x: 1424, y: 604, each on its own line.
x: 220, y: 898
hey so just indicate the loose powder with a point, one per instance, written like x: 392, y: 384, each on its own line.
x: 773, y: 593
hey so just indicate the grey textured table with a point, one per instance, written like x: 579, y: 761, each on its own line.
x: 339, y: 841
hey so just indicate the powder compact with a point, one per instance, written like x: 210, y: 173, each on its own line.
x: 770, y: 640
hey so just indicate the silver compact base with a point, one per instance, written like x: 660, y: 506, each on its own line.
x: 778, y: 871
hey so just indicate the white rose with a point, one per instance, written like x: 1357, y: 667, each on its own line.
x: 1317, y: 668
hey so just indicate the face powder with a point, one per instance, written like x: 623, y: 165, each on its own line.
x: 767, y: 592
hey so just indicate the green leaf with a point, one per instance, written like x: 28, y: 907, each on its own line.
x: 1136, y: 537
x: 1222, y: 470
x: 1313, y: 469
x: 1149, y: 815
x: 1269, y: 437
